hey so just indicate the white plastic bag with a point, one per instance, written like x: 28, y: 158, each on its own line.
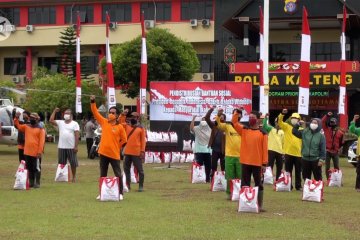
x: 167, y: 157
x: 125, y: 187
x: 198, y: 173
x: 22, y: 179
x: 109, y: 189
x: 283, y: 184
x: 149, y: 157
x: 22, y: 165
x: 173, y: 137
x: 248, y: 200
x: 165, y: 136
x: 157, y: 157
x: 175, y: 157
x: 268, y: 176
x: 134, y: 174
x: 187, y: 146
x: 313, y: 190
x: 189, y: 157
x: 235, y: 185
x: 218, y: 182
x: 62, y: 173
x: 182, y: 157
x: 335, y: 178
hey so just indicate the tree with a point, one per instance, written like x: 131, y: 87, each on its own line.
x: 57, y: 90
x: 5, y: 89
x: 169, y: 59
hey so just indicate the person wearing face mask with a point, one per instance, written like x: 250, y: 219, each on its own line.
x: 33, y: 147
x: 21, y: 135
x: 113, y: 136
x: 68, y: 140
x: 202, y: 152
x: 356, y: 130
x: 216, y: 142
x: 253, y: 151
x: 134, y: 150
x: 313, y: 149
x: 334, y: 141
x: 292, y: 146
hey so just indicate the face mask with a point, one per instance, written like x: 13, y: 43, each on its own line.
x: 203, y: 123
x: 252, y: 121
x: 313, y: 126
x: 133, y: 121
x: 294, y: 121
x: 67, y: 117
x: 32, y: 121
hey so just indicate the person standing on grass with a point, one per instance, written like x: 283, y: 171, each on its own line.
x: 313, y: 149
x: 113, y: 136
x: 89, y: 129
x: 202, y: 152
x: 334, y: 141
x: 292, y: 147
x: 68, y: 140
x: 232, y: 150
x: 34, y: 146
x: 355, y: 130
x: 275, y: 145
x: 216, y: 142
x: 253, y: 151
x: 21, y: 135
x: 134, y: 150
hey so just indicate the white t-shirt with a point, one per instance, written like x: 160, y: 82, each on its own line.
x: 67, y: 134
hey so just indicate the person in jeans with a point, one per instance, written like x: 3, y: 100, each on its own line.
x: 113, y: 136
x: 313, y: 149
x: 34, y: 146
x: 68, y: 139
x: 202, y: 152
x: 216, y: 142
x: 292, y: 147
x: 334, y: 140
x: 275, y: 145
x: 134, y: 150
x: 89, y: 129
x: 355, y: 130
x: 253, y: 151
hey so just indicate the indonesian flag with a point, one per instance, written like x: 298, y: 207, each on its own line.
x: 303, y: 104
x: 342, y: 93
x: 110, y: 74
x: 263, y: 106
x: 78, y: 106
x: 143, y: 68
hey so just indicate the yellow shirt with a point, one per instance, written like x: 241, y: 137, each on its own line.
x: 292, y: 144
x: 232, y: 139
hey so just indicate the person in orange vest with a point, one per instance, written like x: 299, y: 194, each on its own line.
x: 34, y: 146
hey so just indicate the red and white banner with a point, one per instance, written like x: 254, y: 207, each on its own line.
x: 180, y: 101
x: 78, y: 106
x: 143, y: 68
x: 342, y: 89
x: 111, y: 99
x: 264, y: 95
x: 303, y: 103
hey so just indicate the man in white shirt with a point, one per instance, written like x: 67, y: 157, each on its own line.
x: 68, y: 139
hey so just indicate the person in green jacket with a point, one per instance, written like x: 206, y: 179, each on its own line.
x: 353, y: 129
x: 313, y: 149
x: 292, y: 147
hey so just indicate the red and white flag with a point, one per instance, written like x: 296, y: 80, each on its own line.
x: 78, y: 106
x: 143, y: 68
x: 263, y: 106
x: 303, y: 102
x: 111, y: 99
x: 342, y: 89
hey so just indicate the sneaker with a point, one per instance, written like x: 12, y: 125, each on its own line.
x: 98, y: 197
x: 36, y: 185
x: 121, y: 197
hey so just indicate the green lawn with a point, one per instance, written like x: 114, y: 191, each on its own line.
x: 169, y: 208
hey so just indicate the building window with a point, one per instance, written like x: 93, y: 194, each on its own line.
x: 11, y: 14
x: 42, y: 15
x: 196, y: 9
x: 118, y: 12
x: 92, y: 63
x: 50, y: 63
x: 206, y: 63
x: 163, y: 11
x: 86, y: 13
x: 14, y: 66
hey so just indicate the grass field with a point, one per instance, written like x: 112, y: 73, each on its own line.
x: 169, y: 208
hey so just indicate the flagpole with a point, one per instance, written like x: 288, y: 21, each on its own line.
x: 143, y: 68
x: 266, y: 56
x: 342, y: 88
x: 78, y: 106
x: 110, y: 74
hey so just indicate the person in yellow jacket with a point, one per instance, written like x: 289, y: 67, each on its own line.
x: 292, y: 146
x: 232, y: 149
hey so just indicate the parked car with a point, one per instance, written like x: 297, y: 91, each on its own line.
x: 352, y: 157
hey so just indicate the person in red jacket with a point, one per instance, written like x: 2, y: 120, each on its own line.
x: 253, y: 151
x: 334, y: 140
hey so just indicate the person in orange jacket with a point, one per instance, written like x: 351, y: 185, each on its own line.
x: 253, y: 151
x: 134, y: 150
x: 34, y: 146
x: 113, y: 136
x: 21, y: 136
